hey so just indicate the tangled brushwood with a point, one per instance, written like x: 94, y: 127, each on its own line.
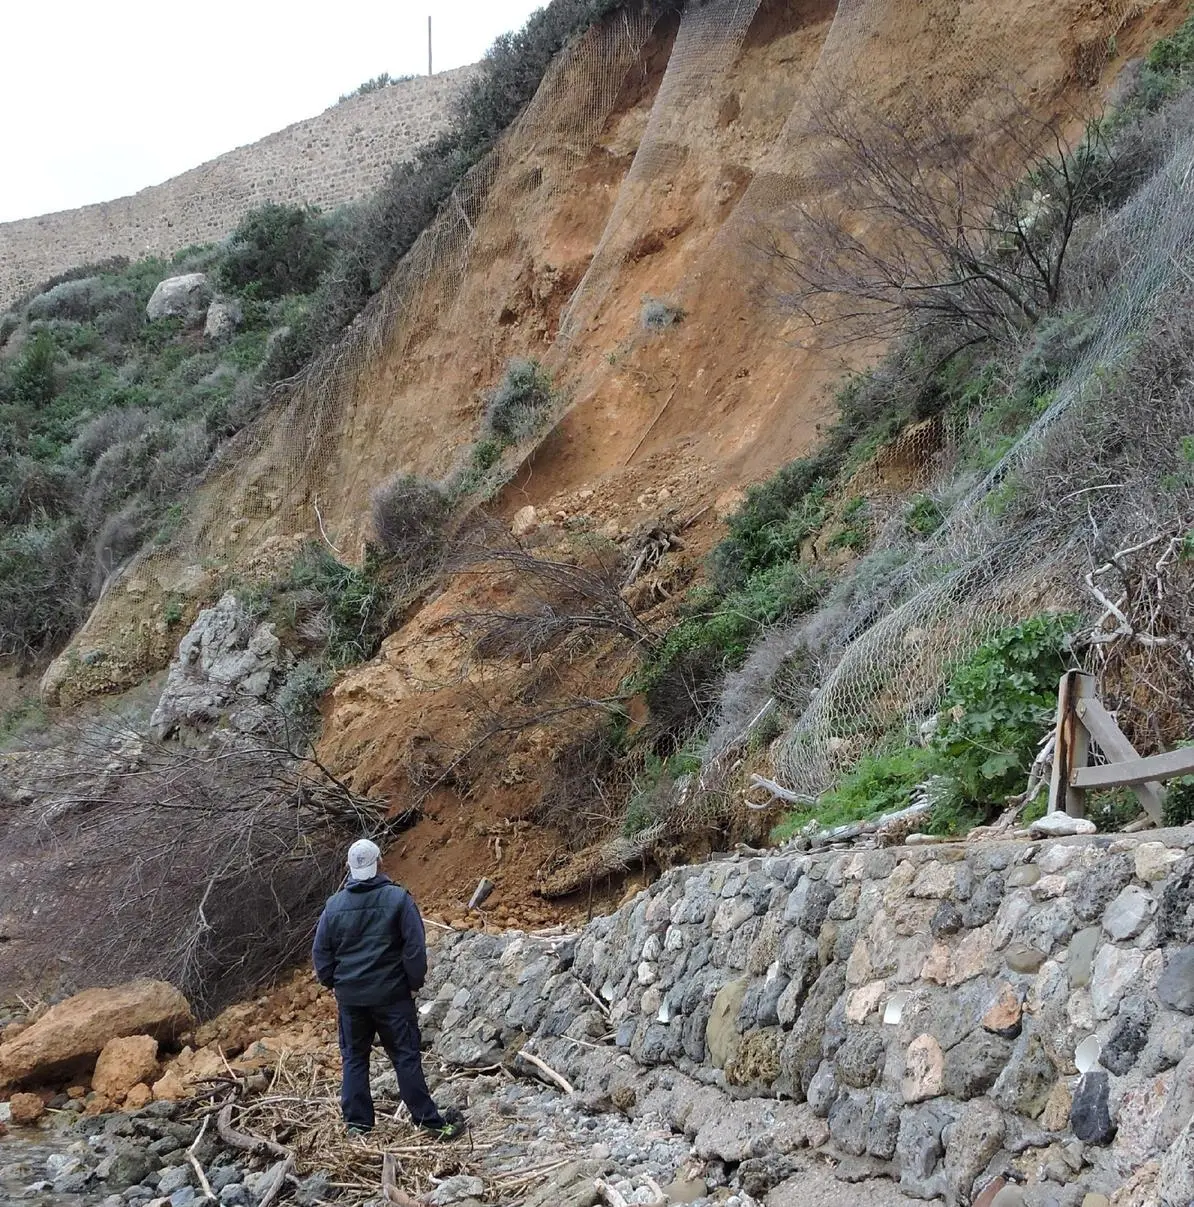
x: 204, y: 866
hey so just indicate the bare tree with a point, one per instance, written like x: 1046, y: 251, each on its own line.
x: 554, y: 597
x: 927, y: 226
x: 205, y: 866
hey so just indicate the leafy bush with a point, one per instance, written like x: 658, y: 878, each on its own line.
x: 518, y: 406
x: 999, y: 702
x: 410, y: 517
x: 923, y: 516
x: 299, y: 696
x: 39, y: 604
x: 376, y: 84
x: 33, y: 376
x: 106, y: 420
x: 359, y: 602
x: 275, y: 250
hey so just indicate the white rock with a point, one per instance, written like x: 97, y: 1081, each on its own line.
x: 1115, y: 970
x: 223, y: 318
x: 1060, y: 825
x: 1129, y: 913
x: 1154, y: 860
x: 648, y: 974
x: 184, y: 297
x: 1056, y: 858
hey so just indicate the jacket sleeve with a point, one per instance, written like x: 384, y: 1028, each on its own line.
x: 414, y: 943
x: 322, y: 955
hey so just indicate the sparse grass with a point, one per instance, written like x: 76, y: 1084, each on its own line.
x: 658, y: 313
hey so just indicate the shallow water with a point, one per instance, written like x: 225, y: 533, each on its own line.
x: 31, y: 1156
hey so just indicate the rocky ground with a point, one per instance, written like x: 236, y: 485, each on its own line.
x: 527, y: 1144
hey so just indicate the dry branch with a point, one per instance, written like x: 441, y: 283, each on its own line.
x: 257, y: 1146
x: 204, y: 1184
x: 547, y: 1071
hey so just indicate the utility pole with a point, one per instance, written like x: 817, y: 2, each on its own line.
x: 429, y: 71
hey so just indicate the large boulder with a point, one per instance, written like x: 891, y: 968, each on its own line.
x: 124, y: 1062
x: 223, y: 319
x: 226, y: 667
x: 186, y: 297
x: 69, y: 1037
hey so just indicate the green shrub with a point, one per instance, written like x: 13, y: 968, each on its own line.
x: 998, y: 703
x: 359, y: 602
x: 33, y: 376
x: 376, y: 84
x: 39, y: 603
x: 299, y: 696
x: 275, y: 250
x: 1002, y: 699
x: 517, y: 408
x: 923, y: 516
x: 1178, y: 809
x: 853, y: 533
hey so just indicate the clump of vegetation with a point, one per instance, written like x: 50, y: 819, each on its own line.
x: 106, y: 420
x: 275, y: 250
x: 520, y: 403
x: 376, y: 84
x: 410, y: 518
x: 657, y: 313
x: 998, y: 703
x: 356, y: 601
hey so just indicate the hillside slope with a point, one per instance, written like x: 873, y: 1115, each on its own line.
x: 648, y: 163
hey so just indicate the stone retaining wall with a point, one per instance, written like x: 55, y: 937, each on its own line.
x: 338, y: 156
x: 913, y: 1011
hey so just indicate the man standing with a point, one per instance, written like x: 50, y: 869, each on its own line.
x: 371, y: 949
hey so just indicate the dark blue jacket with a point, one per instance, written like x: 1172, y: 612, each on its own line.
x: 369, y: 945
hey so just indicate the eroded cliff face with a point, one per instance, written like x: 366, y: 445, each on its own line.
x: 653, y: 162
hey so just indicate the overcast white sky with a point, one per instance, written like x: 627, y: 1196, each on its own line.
x: 103, y: 97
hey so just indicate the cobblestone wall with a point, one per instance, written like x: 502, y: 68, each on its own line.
x: 960, y: 1017
x: 338, y: 156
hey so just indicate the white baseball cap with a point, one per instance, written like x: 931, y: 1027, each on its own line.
x: 363, y: 857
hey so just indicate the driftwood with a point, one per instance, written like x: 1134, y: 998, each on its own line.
x: 608, y: 1194
x: 204, y: 1184
x: 485, y: 886
x: 258, y: 1146
x: 390, y: 1190
x: 547, y: 1071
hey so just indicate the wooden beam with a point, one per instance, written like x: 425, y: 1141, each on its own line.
x: 1158, y: 767
x: 1113, y: 742
x: 1071, y: 748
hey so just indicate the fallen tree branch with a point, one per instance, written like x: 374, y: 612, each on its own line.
x: 258, y: 1146
x: 780, y: 793
x: 547, y: 1071
x: 204, y: 1184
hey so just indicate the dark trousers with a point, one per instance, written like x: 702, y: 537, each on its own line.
x: 397, y: 1026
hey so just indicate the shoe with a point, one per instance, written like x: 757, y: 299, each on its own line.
x: 445, y: 1132
x: 358, y: 1129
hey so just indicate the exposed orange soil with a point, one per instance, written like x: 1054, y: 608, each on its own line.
x: 659, y: 422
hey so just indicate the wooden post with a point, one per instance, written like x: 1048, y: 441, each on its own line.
x: 1072, y: 746
x: 429, y: 71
